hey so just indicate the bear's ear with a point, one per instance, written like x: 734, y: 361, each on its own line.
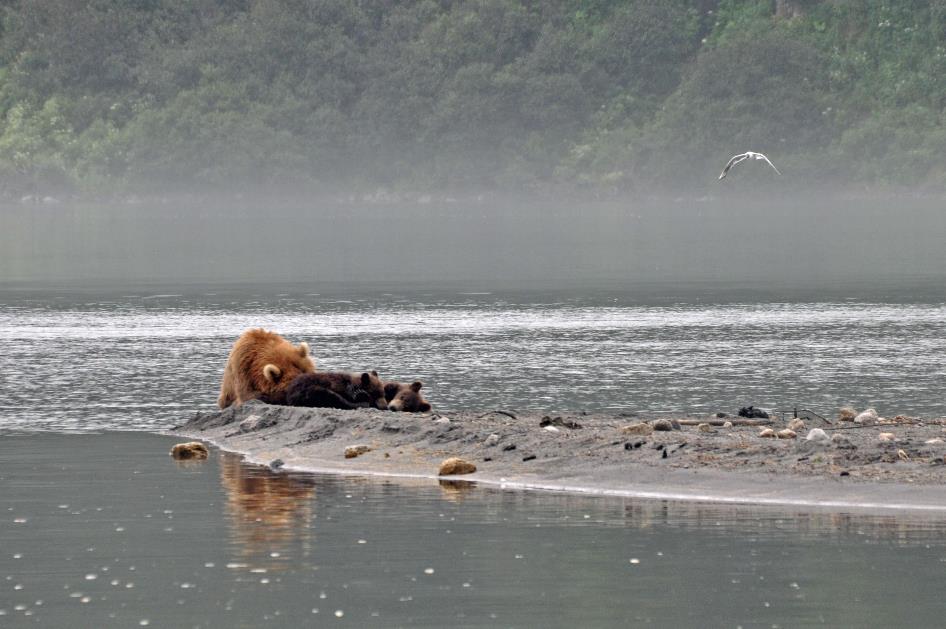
x: 416, y: 385
x: 424, y: 407
x: 390, y: 390
x: 365, y: 379
x: 374, y: 373
x: 271, y: 372
x: 303, y: 349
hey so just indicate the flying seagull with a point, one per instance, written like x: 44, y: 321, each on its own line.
x: 744, y: 156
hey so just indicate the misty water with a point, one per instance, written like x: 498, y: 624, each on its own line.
x: 108, y: 531
x: 121, y: 318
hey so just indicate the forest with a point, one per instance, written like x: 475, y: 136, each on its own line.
x: 109, y: 97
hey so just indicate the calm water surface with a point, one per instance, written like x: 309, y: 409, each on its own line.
x: 107, y: 531
x: 141, y: 359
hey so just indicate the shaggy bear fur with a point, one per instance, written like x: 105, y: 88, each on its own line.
x: 405, y: 397
x: 334, y: 389
x: 261, y: 366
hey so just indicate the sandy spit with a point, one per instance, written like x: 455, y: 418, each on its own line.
x: 592, y: 454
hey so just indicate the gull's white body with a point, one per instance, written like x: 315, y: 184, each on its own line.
x: 743, y: 157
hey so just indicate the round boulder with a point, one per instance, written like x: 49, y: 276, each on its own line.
x: 456, y: 465
x: 190, y: 450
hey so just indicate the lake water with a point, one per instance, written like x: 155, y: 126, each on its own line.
x: 121, y: 318
x: 107, y: 531
x: 145, y: 359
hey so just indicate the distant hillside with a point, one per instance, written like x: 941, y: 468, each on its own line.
x: 102, y: 96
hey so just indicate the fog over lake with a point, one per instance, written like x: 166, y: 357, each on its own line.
x: 843, y: 246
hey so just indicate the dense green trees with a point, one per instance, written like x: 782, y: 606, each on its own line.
x: 102, y: 96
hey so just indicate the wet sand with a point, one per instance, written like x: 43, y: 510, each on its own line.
x: 592, y: 454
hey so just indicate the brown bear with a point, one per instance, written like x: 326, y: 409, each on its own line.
x: 335, y: 389
x: 261, y: 366
x: 405, y: 397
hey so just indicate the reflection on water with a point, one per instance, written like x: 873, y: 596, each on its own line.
x: 106, y: 530
x: 270, y: 515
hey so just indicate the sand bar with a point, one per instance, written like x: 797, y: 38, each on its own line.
x: 593, y: 454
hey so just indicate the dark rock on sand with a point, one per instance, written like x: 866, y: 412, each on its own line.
x: 558, y: 421
x: 753, y: 413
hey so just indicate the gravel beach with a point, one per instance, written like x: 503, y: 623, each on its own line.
x: 895, y: 464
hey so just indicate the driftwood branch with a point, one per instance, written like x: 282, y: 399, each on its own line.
x: 736, y: 421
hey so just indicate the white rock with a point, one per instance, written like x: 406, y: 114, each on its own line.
x: 353, y: 451
x: 767, y: 433
x: 727, y: 424
x: 867, y: 418
x: 551, y: 428
x: 886, y: 437
x: 705, y: 428
x: 933, y: 441
x: 818, y: 436
x: 251, y: 423
x: 797, y: 424
x: 786, y: 434
x: 638, y: 429
x: 491, y: 440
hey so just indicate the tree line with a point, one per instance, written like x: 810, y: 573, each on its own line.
x: 116, y: 96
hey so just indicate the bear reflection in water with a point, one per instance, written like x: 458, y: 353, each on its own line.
x: 270, y: 513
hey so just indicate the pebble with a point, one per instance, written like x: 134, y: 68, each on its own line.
x: 902, y: 455
x: 840, y: 441
x: 275, y: 464
x: 190, y: 450
x: 886, y: 437
x: 638, y: 429
x: 663, y: 425
x: 491, y: 440
x: 932, y: 441
x: 727, y: 424
x: 787, y: 433
x: 767, y: 433
x: 797, y: 424
x: 550, y: 428
x: 251, y: 423
x: 867, y: 418
x: 352, y: 451
x: 456, y: 465
x: 818, y: 436
x: 847, y: 414
x: 705, y: 428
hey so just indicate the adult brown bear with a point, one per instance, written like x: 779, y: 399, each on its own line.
x: 261, y: 365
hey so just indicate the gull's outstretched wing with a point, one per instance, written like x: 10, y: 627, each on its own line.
x: 761, y: 156
x: 732, y: 162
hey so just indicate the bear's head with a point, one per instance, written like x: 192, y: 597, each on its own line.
x: 284, y: 364
x: 405, y: 397
x: 370, y: 389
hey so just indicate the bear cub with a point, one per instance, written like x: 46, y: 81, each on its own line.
x: 336, y: 389
x: 405, y: 397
